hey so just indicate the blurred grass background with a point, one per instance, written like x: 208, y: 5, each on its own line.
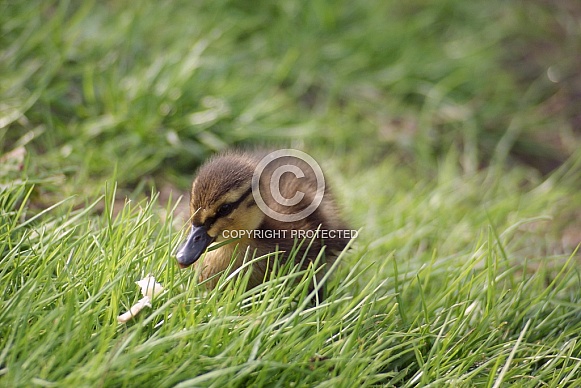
x: 450, y: 130
x: 147, y: 90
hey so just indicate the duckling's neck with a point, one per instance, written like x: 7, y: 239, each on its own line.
x: 218, y: 260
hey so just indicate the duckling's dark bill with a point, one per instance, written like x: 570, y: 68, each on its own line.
x: 196, y: 243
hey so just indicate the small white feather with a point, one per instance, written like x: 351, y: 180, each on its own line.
x: 135, y: 309
x: 149, y: 289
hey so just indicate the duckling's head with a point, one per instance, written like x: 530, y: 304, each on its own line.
x: 221, y: 202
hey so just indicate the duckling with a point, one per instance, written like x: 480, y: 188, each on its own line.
x: 232, y: 196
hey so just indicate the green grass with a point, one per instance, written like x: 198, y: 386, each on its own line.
x: 417, y: 301
x: 466, y: 270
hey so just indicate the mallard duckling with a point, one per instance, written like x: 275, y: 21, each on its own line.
x: 232, y: 196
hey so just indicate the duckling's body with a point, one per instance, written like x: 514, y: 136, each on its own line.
x: 224, y: 204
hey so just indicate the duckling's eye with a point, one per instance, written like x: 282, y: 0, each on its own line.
x: 224, y: 210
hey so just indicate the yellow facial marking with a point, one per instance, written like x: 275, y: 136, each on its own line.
x: 202, y: 215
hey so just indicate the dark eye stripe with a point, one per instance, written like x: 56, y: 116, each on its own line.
x: 230, y: 208
x: 224, y: 210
